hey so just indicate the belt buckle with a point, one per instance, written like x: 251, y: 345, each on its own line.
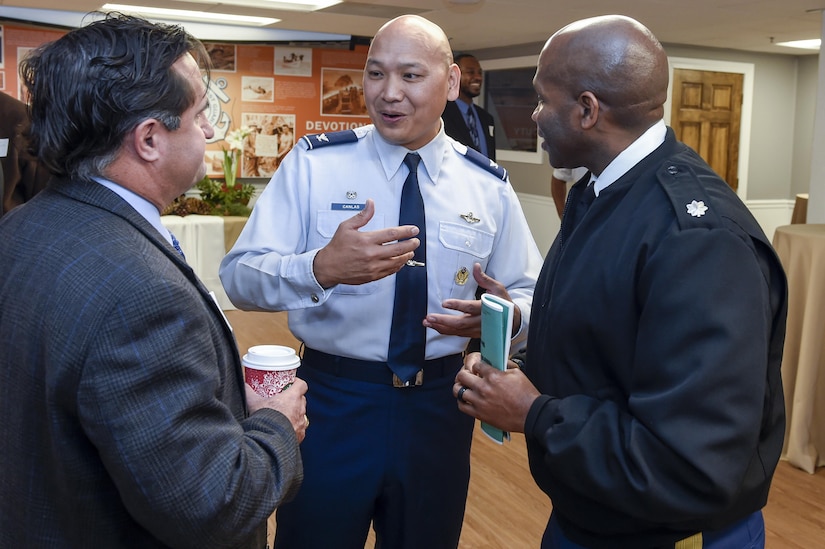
x: 416, y: 382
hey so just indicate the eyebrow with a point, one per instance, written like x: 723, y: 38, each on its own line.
x: 402, y: 66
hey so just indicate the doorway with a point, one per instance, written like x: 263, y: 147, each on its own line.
x: 709, y: 109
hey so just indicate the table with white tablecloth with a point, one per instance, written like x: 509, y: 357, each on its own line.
x: 205, y: 239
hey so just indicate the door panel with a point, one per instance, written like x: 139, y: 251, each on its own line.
x: 706, y: 116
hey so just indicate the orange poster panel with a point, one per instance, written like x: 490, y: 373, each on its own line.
x: 279, y: 94
x: 275, y: 93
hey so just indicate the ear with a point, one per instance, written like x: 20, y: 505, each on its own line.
x: 590, y: 108
x: 147, y: 138
x: 454, y: 80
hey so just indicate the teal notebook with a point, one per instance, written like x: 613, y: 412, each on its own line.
x: 496, y: 328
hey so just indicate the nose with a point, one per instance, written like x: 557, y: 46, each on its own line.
x: 393, y: 89
x: 535, y: 113
x: 208, y: 130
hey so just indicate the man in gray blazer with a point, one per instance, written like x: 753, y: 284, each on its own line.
x: 125, y: 418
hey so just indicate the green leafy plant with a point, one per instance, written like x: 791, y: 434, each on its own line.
x: 223, y: 199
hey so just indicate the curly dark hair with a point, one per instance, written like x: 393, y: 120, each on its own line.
x: 94, y: 85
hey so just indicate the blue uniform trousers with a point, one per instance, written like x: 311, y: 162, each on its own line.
x: 399, y: 457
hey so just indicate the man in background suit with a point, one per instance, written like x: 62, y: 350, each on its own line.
x: 458, y: 114
x: 23, y: 177
x: 126, y: 421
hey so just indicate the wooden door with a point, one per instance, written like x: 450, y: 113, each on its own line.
x: 707, y: 108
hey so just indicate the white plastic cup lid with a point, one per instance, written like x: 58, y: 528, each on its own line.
x: 271, y: 357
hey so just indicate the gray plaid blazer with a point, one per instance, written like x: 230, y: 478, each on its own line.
x: 124, y: 420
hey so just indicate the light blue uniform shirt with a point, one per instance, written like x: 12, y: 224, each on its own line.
x: 313, y: 191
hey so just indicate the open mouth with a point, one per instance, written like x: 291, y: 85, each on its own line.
x: 392, y: 117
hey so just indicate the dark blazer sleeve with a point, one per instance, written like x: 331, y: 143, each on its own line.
x: 489, y: 124
x: 454, y: 124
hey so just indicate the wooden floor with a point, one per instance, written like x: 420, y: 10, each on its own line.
x: 505, y: 509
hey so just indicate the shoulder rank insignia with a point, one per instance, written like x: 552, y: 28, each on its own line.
x: 696, y: 208
x: 318, y: 140
x: 480, y: 160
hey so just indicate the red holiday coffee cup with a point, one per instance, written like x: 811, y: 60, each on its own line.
x: 269, y: 369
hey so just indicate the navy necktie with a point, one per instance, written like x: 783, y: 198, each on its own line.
x: 471, y: 125
x: 408, y: 338
x: 176, y: 244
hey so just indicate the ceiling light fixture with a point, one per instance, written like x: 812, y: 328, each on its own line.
x: 301, y: 5
x: 187, y: 15
x: 284, y: 5
x: 812, y: 44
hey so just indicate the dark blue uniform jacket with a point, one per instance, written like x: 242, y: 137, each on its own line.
x: 656, y: 339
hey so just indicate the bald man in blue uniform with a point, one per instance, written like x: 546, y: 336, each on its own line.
x: 326, y: 242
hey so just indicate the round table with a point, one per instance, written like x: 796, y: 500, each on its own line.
x: 801, y: 248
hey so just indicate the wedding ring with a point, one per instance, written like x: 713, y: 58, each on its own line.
x: 306, y: 419
x: 460, y: 395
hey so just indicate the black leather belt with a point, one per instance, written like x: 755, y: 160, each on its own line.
x: 379, y: 372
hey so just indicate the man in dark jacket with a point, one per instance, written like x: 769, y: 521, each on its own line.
x: 22, y: 176
x: 126, y: 420
x: 652, y: 403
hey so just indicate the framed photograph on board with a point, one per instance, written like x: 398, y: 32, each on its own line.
x: 342, y: 92
x: 257, y: 89
x: 292, y: 61
x: 223, y: 56
x: 509, y: 96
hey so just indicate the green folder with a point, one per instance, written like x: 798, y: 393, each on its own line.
x: 496, y: 330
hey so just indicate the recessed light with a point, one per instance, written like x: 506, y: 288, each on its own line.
x: 187, y: 15
x: 285, y: 5
x: 812, y: 44
x: 302, y: 5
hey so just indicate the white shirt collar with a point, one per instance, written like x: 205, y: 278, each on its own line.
x: 392, y: 155
x: 145, y: 208
x: 632, y: 155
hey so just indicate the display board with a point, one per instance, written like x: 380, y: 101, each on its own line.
x: 279, y: 92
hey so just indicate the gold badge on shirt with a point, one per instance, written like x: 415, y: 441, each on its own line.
x: 462, y: 276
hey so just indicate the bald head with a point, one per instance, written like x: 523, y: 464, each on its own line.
x: 615, y: 57
x: 429, y: 37
x: 408, y: 79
